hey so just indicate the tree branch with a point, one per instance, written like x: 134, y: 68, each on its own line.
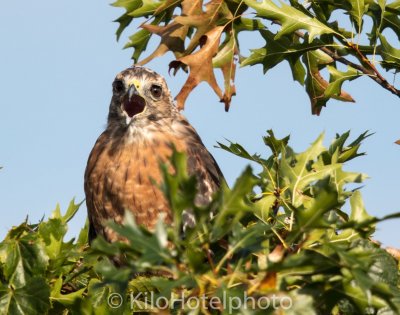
x: 371, y: 73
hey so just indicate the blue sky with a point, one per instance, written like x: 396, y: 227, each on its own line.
x: 58, y: 59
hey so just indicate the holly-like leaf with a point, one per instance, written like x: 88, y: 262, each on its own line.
x: 238, y: 150
x: 65, y: 299
x: 302, y: 169
x: 278, y: 49
x: 71, y: 211
x: 312, y: 216
x: 290, y: 19
x: 234, y: 204
x: 276, y: 145
x: 30, y: 299
x: 151, y: 247
x: 334, y: 89
x: 390, y: 55
x: 358, y: 8
x: 147, y: 7
x: 316, y: 85
x: 138, y: 42
x: 358, y: 212
x: 391, y: 17
x: 125, y: 19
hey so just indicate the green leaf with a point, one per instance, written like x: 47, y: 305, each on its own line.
x: 234, y: 204
x: 358, y: 212
x: 315, y: 83
x: 246, y: 24
x: 151, y: 248
x: 357, y: 11
x: 300, y: 170
x: 390, y: 55
x: 23, y: 258
x: 337, y: 78
x: 312, y: 216
x: 52, y: 233
x: 65, y: 299
x: 139, y: 42
x: 147, y: 8
x: 30, y: 299
x: 293, y: 239
x: 238, y: 150
x: 276, y: 50
x: 290, y: 18
x: 276, y: 145
x: 391, y: 17
x: 128, y: 5
x: 338, y: 152
x: 71, y: 211
x: 125, y: 19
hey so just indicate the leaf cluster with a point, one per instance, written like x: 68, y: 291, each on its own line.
x: 282, y: 234
x: 314, y: 37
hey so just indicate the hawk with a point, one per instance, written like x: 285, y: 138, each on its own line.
x: 123, y: 173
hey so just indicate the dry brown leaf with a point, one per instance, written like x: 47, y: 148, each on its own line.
x: 269, y: 282
x: 207, y: 35
x: 200, y: 66
x: 394, y: 252
x: 225, y: 60
x: 344, y: 96
x: 277, y: 254
x: 204, y: 21
x: 228, y: 70
x: 317, y: 94
x: 173, y: 34
x: 166, y: 5
x: 397, y: 142
x: 172, y: 39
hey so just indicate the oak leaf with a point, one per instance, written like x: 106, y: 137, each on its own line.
x: 200, y: 66
x: 173, y: 34
x: 216, y: 11
x: 172, y: 39
x: 225, y: 60
x: 316, y: 85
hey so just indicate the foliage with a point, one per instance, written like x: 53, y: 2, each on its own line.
x: 314, y: 37
x: 292, y: 244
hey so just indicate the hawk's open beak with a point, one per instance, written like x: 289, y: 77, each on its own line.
x: 133, y: 103
x: 132, y: 91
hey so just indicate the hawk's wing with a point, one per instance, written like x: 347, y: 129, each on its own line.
x: 202, y: 164
x: 92, y: 206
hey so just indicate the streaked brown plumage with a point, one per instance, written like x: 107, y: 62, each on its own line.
x: 143, y: 126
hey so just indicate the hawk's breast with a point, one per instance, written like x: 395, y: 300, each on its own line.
x: 123, y: 174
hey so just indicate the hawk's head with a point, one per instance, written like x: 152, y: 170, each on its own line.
x: 139, y: 96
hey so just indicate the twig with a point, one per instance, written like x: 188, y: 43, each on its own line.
x: 372, y: 73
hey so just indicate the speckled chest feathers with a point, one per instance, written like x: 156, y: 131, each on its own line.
x: 123, y: 169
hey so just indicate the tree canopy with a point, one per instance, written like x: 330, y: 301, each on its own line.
x: 325, y: 42
x: 294, y: 238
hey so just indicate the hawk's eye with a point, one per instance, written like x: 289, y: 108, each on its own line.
x: 118, y: 86
x: 156, y: 90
